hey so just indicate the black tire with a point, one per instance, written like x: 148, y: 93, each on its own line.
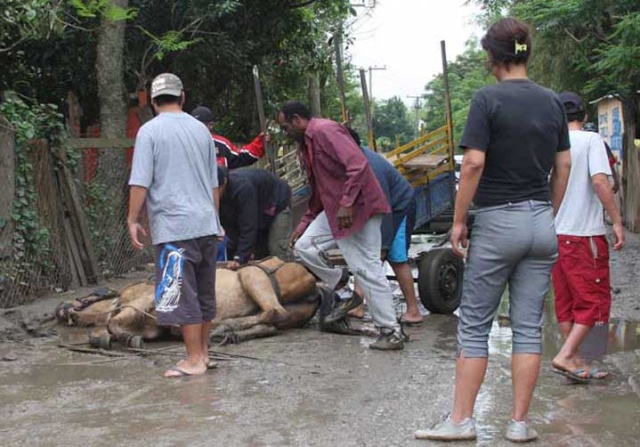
x: 440, y: 280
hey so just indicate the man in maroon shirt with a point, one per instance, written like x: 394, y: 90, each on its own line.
x: 345, y: 210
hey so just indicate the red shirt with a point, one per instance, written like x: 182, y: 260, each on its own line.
x: 339, y: 175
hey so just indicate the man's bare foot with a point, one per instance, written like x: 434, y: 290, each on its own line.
x: 186, y: 368
x: 411, y: 318
x: 358, y: 312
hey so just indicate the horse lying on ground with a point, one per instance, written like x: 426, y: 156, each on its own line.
x: 254, y: 301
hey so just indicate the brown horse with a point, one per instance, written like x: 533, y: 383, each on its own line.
x: 254, y: 301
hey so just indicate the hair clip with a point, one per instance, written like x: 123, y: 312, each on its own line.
x: 520, y: 47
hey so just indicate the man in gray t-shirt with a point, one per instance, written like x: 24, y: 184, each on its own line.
x: 175, y: 172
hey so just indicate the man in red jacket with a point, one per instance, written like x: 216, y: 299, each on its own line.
x: 345, y: 210
x: 229, y: 155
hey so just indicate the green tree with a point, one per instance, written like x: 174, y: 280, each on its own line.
x: 467, y: 74
x: 49, y: 47
x: 390, y: 120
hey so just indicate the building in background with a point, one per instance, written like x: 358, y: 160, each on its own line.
x: 610, y: 122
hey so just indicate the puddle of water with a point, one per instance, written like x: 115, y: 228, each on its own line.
x: 617, y: 336
x: 568, y: 413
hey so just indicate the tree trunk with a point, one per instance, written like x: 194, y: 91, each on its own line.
x: 112, y: 94
x: 112, y: 172
x: 7, y: 186
x: 631, y: 175
x: 314, y: 95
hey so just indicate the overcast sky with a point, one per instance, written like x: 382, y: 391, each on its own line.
x: 405, y: 36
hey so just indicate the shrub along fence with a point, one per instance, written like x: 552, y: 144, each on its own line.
x: 62, y: 223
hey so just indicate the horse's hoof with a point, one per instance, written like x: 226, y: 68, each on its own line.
x: 63, y: 313
x: 106, y: 341
x: 136, y: 342
x: 102, y: 342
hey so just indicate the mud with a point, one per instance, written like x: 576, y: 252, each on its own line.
x: 304, y: 388
x: 625, y: 268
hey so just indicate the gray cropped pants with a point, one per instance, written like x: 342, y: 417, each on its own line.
x: 512, y: 244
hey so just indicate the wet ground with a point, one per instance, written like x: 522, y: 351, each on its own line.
x: 303, y: 388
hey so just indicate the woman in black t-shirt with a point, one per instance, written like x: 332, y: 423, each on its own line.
x: 515, y: 139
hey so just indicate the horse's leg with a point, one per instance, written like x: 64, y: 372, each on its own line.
x: 131, y: 320
x: 257, y: 285
x: 258, y: 331
x: 297, y: 315
x: 241, y: 323
x: 97, y: 314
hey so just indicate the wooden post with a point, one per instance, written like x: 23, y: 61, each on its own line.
x: 367, y: 111
x: 447, y: 97
x: 271, y: 156
x: 631, y: 174
x: 337, y: 41
x: 79, y: 229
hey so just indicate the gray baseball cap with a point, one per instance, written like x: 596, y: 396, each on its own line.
x: 166, y: 84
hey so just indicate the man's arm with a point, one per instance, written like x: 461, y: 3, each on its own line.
x: 560, y: 178
x: 137, y: 197
x: 245, y: 156
x: 470, y: 174
x: 605, y: 194
x: 612, y: 164
x: 216, y: 199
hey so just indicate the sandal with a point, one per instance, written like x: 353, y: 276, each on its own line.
x: 575, y: 375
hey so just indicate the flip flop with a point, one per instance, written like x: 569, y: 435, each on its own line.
x: 411, y: 323
x: 181, y: 373
x: 212, y: 364
x: 572, y: 375
x: 596, y: 374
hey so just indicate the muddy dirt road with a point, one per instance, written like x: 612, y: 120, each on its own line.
x: 303, y: 388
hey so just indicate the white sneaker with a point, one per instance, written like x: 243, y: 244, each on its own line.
x: 447, y: 430
x: 519, y: 431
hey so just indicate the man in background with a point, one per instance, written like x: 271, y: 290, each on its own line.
x: 255, y: 211
x: 228, y: 154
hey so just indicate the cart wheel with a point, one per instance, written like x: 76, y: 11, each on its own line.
x: 440, y: 281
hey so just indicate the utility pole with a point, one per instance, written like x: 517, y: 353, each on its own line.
x: 367, y: 111
x: 417, y: 108
x: 371, y: 69
x: 337, y: 40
